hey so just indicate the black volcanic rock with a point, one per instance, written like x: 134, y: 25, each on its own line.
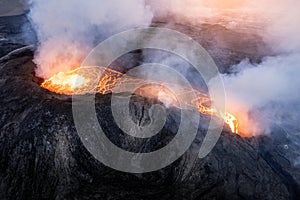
x: 15, y: 32
x: 43, y: 157
x: 226, y: 46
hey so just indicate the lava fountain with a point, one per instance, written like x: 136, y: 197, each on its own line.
x: 81, y: 81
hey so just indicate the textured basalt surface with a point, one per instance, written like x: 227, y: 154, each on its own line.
x: 42, y: 157
x: 15, y: 32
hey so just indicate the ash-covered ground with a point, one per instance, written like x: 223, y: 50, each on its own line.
x: 42, y: 157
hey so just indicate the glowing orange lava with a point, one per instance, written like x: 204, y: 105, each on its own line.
x: 82, y: 81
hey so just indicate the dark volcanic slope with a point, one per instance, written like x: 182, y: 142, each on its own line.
x: 227, y: 47
x: 41, y: 155
x: 15, y: 32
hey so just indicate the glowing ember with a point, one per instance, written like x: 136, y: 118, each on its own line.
x: 82, y: 81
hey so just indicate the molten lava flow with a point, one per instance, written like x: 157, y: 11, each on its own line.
x: 82, y: 81
x: 66, y: 82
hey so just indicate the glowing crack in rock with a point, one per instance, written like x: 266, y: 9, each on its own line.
x: 81, y: 81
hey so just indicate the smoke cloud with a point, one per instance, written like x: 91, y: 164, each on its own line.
x: 259, y: 94
x: 67, y: 30
x: 256, y: 90
x: 264, y: 94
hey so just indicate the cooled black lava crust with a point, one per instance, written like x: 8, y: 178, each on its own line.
x: 43, y: 157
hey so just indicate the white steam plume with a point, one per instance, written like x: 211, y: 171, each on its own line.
x: 67, y: 30
x: 272, y: 83
x: 267, y: 93
x: 259, y: 94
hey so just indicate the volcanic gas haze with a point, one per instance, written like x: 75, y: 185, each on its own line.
x: 254, y: 89
x: 68, y: 30
x: 84, y: 80
x: 251, y: 87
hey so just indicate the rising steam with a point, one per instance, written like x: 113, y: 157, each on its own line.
x: 261, y: 95
x: 67, y: 30
x: 264, y: 94
x: 267, y: 94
